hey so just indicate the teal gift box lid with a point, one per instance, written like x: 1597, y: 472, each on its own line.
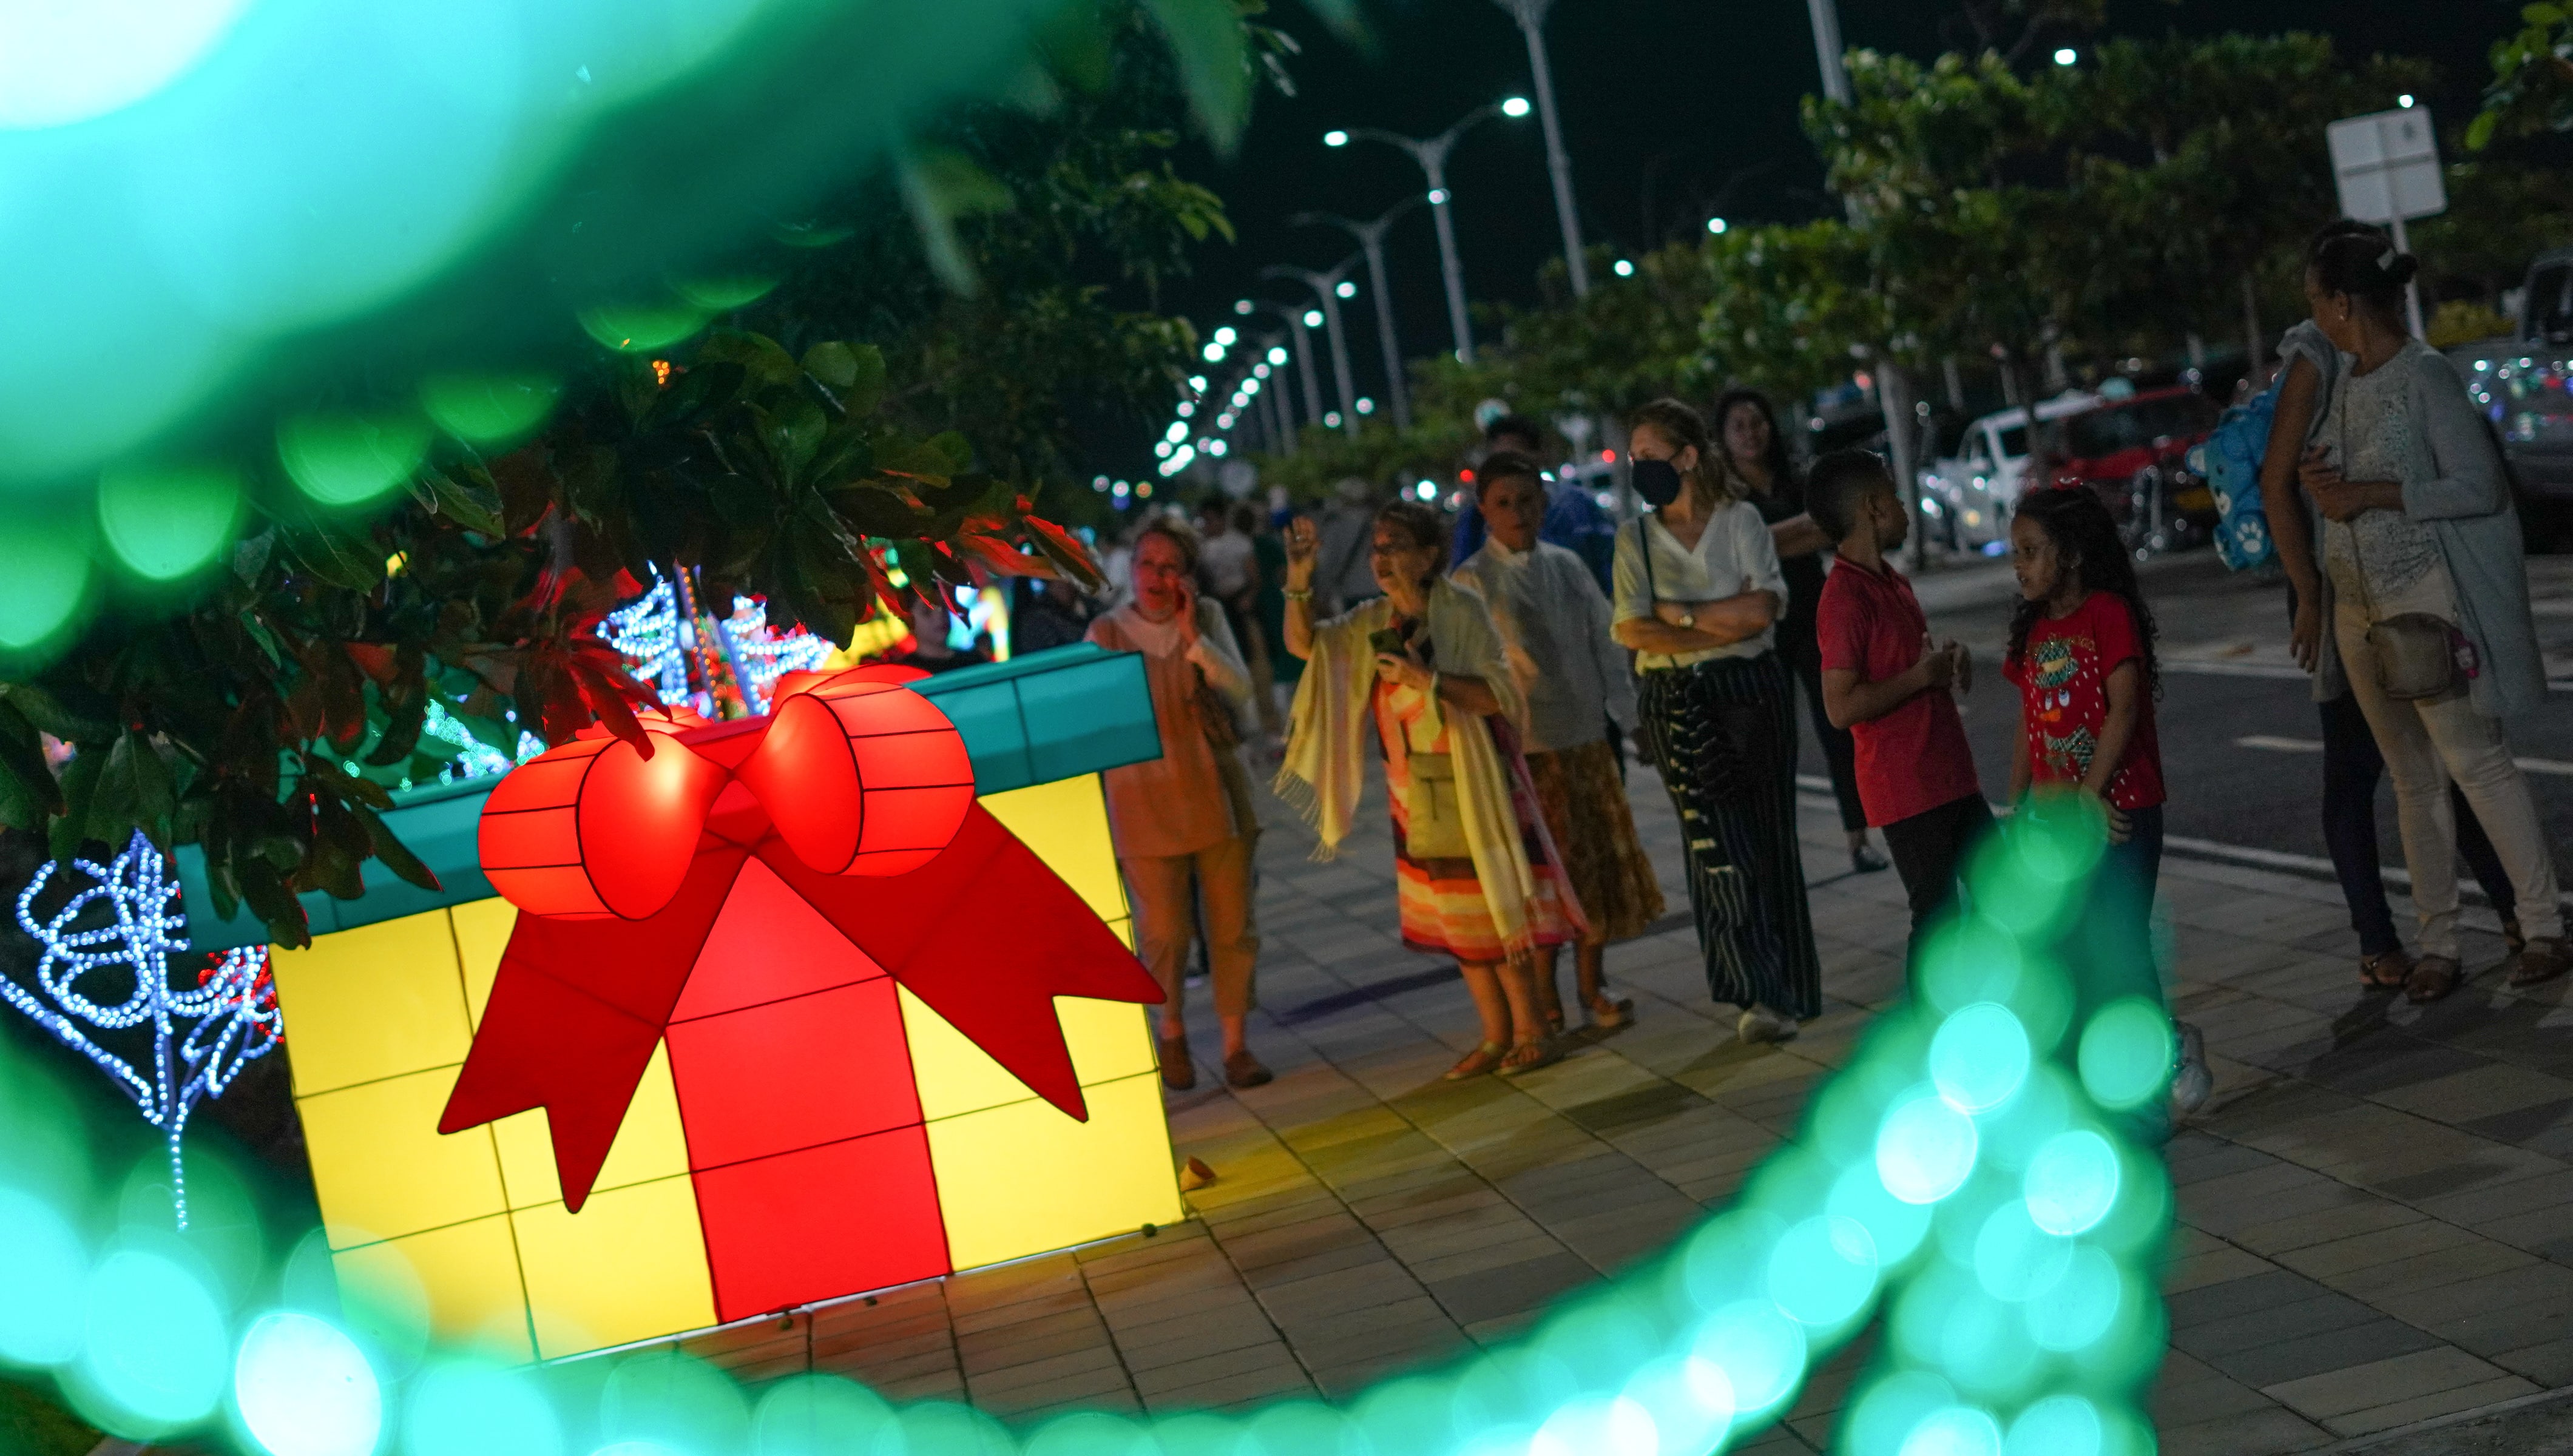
x: 1031, y: 720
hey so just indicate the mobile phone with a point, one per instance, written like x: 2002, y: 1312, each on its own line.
x: 1388, y: 640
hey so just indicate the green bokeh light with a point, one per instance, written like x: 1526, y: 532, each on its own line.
x: 1824, y: 1270
x: 1979, y: 1058
x: 154, y: 1346
x: 1759, y: 1349
x: 721, y: 294
x: 645, y: 326
x: 303, y: 1389
x: 488, y: 408
x: 2072, y: 1183
x: 343, y: 458
x: 2126, y: 1056
x: 1955, y: 1431
x: 1974, y: 958
x: 2017, y: 1261
x: 1894, y: 1225
x: 2081, y: 1306
x: 476, y: 1407
x: 165, y: 521
x: 43, y: 1283
x: 45, y: 577
x: 2060, y: 1425
x: 1925, y: 1149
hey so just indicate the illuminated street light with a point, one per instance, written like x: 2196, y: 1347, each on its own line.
x: 1212, y: 353
x: 1625, y: 268
x: 1514, y: 106
x: 1336, y: 138
x: 1313, y: 317
x: 2066, y: 56
x: 1432, y: 154
x: 1242, y: 306
x: 1347, y: 290
x: 1716, y: 226
x: 1225, y: 335
x: 1277, y: 356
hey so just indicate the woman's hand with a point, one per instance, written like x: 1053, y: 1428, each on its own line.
x: 2306, y: 635
x: 2121, y: 828
x: 1303, y: 550
x: 1675, y: 614
x: 1404, y: 671
x: 2334, y: 496
x: 1188, y: 615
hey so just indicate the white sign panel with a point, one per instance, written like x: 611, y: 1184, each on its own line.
x: 2387, y: 166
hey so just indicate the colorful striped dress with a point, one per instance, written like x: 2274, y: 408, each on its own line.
x: 1444, y: 910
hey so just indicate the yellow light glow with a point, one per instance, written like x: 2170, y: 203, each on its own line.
x: 469, y: 1274
x: 379, y: 1001
x: 630, y: 1265
x: 1108, y: 1175
x: 381, y: 1170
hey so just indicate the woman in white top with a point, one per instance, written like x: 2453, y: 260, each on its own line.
x: 1699, y: 591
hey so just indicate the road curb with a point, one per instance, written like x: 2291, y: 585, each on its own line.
x: 2397, y: 1441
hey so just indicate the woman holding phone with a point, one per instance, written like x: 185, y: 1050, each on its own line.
x: 1477, y: 876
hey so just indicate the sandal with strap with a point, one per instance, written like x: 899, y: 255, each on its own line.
x: 1609, y: 1014
x: 1529, y: 1055
x: 2386, y: 971
x: 1478, y: 1062
x: 2433, y: 977
x: 2543, y: 960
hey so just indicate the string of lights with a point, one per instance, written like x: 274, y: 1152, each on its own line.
x: 659, y: 636
x: 117, y: 975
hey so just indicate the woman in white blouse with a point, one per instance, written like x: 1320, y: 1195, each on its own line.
x: 1698, y: 594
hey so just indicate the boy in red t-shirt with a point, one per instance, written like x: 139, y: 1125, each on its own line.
x: 1885, y: 682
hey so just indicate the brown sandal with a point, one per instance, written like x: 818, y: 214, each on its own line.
x: 2433, y: 977
x: 1529, y: 1055
x: 1607, y: 1015
x: 1478, y: 1062
x: 2386, y: 971
x: 2543, y: 960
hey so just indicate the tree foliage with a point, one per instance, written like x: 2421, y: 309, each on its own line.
x: 877, y: 432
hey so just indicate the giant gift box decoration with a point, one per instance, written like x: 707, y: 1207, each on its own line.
x: 782, y: 1012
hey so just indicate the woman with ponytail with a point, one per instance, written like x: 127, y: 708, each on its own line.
x: 2425, y: 598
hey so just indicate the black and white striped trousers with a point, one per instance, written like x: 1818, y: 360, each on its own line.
x: 1724, y: 733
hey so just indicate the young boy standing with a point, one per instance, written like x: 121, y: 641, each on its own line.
x: 1890, y: 686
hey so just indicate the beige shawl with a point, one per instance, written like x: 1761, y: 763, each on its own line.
x: 1326, y: 741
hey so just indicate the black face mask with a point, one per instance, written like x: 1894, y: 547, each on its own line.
x: 1658, y: 481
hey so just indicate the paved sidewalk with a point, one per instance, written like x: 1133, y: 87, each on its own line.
x: 2374, y: 1208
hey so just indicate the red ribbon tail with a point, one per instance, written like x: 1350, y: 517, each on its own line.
x: 987, y: 934
x: 574, y: 1014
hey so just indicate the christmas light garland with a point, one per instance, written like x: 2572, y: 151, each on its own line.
x: 1981, y: 1175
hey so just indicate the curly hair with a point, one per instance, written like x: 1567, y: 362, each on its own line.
x: 2085, y: 541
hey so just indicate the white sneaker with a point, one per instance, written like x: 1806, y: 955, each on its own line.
x: 1760, y: 1024
x: 2192, y: 1084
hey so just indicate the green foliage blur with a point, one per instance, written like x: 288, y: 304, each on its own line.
x: 892, y: 387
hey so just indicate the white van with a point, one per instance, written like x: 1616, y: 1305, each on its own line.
x: 1968, y: 496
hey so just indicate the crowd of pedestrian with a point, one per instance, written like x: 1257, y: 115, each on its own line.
x: 1496, y: 672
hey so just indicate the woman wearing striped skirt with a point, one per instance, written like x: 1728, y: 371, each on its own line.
x: 1699, y: 588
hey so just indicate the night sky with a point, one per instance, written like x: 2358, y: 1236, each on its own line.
x: 1672, y: 110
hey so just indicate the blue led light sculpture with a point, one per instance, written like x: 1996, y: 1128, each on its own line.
x: 116, y: 957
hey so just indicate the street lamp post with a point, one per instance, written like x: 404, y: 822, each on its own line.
x: 1432, y: 154
x: 1303, y: 339
x: 1530, y: 15
x: 1827, y: 49
x: 1370, y: 237
x: 1327, y: 287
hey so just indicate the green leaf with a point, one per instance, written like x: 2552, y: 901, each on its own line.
x: 396, y: 855
x: 472, y: 507
x: 866, y: 388
x: 833, y: 363
x: 1207, y: 36
x: 940, y: 185
x: 49, y: 714
x: 80, y: 790
x: 2543, y: 14
x: 768, y: 366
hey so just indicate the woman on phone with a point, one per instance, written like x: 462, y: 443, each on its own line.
x: 1476, y: 873
x: 1183, y: 822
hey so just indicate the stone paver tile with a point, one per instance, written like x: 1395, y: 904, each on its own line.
x: 2379, y: 1383
x: 2218, y: 1265
x: 1099, y: 1367
x: 2483, y: 1092
x: 1226, y: 1392
x: 2355, y: 1214
x: 2423, y: 1407
x: 2264, y: 1432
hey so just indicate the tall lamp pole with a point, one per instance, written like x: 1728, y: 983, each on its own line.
x: 1432, y: 154
x: 1327, y: 287
x: 1370, y: 237
x: 1828, y: 49
x: 1303, y: 339
x: 1530, y: 15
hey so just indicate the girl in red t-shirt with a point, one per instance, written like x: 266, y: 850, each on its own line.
x: 2082, y: 655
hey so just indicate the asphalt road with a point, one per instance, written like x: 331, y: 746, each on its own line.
x: 2228, y: 678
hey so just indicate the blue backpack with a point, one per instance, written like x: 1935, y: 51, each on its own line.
x: 2229, y: 460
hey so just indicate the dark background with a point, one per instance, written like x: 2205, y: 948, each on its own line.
x: 1674, y: 110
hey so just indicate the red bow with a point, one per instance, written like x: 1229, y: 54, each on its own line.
x: 859, y: 796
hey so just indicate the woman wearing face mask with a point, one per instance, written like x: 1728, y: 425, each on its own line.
x: 2425, y: 599
x: 1477, y: 876
x: 1757, y: 469
x: 1699, y: 592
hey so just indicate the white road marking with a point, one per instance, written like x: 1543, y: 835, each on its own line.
x: 2555, y: 766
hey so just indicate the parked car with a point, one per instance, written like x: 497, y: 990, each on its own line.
x: 1968, y: 496
x: 2133, y: 450
x: 2524, y: 385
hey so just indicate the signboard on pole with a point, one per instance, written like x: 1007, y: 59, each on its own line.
x: 2386, y: 167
